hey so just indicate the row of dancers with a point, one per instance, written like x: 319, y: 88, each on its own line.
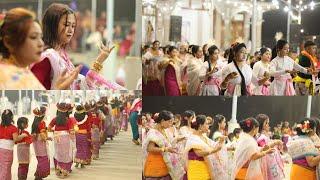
x: 35, y: 56
x: 77, y: 137
x: 197, y: 148
x: 200, y: 71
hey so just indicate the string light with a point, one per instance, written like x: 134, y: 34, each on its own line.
x: 312, y: 5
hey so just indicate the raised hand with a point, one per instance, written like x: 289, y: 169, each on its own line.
x: 65, y: 80
x: 105, y: 51
x: 232, y: 75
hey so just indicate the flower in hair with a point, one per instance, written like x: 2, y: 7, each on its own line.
x: 305, y: 128
x: 156, y: 115
x: 193, y: 120
x: 248, y: 122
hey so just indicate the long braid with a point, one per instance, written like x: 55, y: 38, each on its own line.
x: 235, y: 48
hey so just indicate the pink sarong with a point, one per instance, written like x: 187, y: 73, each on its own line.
x: 23, y: 153
x: 95, y: 137
x: 6, y: 159
x: 231, y: 88
x: 63, y: 152
x: 23, y: 170
x: 82, y: 155
x: 289, y: 91
x: 40, y: 150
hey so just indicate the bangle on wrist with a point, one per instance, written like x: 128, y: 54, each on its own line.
x: 97, y: 66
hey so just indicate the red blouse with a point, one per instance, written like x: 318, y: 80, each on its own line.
x: 85, y: 125
x: 42, y: 71
x: 94, y: 119
x: 65, y: 127
x: 42, y: 126
x: 73, y: 121
x: 6, y: 132
x: 27, y: 140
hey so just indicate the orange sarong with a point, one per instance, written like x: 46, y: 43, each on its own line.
x: 155, y: 166
x: 299, y: 172
x: 242, y: 174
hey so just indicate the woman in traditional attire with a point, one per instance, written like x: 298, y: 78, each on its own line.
x: 19, y: 53
x: 58, y: 28
x: 82, y: 143
x: 40, y: 138
x: 125, y: 116
x: 274, y: 162
x: 237, y: 75
x: 8, y: 136
x: 261, y: 70
x: 23, y: 149
x: 62, y: 126
x: 213, y: 69
x: 95, y: 133
x: 218, y: 127
x: 249, y: 157
x: 160, y: 160
x: 136, y: 107
x: 305, y: 156
x: 195, y: 72
x: 109, y: 121
x: 151, y: 85
x: 171, y: 73
x: 200, y: 150
x: 281, y: 68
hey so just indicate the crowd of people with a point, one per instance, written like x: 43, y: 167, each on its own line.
x: 35, y: 57
x: 193, y: 70
x: 77, y: 132
x: 192, y: 146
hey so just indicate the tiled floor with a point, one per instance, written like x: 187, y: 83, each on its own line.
x: 119, y: 159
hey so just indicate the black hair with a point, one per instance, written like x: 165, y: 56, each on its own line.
x: 50, y: 23
x: 185, y: 115
x: 171, y: 48
x: 61, y: 118
x: 261, y: 118
x: 274, y: 52
x: 204, y: 49
x: 317, y: 121
x: 263, y: 50
x: 231, y: 136
x: 194, y: 49
x: 226, y: 54
x: 164, y: 115
x: 217, y: 119
x: 236, y: 131
x: 200, y: 120
x: 35, y: 124
x: 156, y: 41
x: 211, y: 50
x: 312, y: 125
x: 280, y: 44
x: 21, y: 122
x: 80, y: 116
x: 248, y: 124
x: 233, y: 51
x: 6, y: 117
x: 309, y: 43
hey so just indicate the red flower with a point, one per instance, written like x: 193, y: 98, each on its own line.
x: 248, y: 122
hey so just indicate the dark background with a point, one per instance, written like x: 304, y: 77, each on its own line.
x: 276, y: 21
